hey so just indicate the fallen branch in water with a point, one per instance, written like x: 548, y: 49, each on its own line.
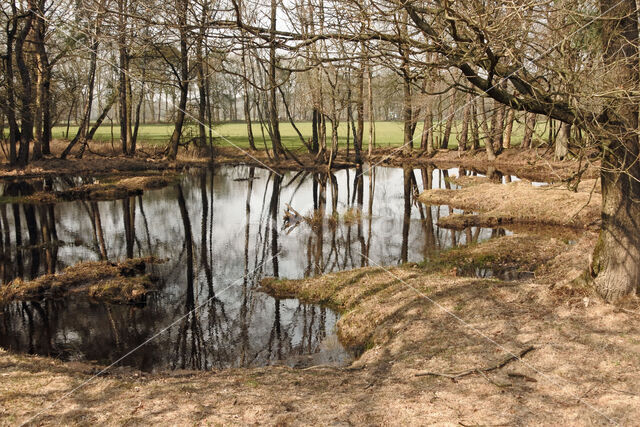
x: 500, y: 364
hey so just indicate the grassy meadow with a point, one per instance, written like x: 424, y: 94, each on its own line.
x: 387, y: 134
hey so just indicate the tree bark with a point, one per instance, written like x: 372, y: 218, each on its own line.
x: 616, y: 257
x: 444, y: 144
x: 529, y: 124
x: 488, y: 140
x: 182, y: 6
x: 246, y: 101
x: 358, y: 135
x: 562, y: 141
x: 124, y: 82
x: 86, y: 115
x: 10, y: 108
x: 26, y: 95
x: 464, y: 133
x: 44, y: 84
x: 276, y: 141
x: 506, y: 143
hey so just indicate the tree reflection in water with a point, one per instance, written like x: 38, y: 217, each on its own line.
x: 208, y: 282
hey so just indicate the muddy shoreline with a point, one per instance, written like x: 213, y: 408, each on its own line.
x: 534, y: 165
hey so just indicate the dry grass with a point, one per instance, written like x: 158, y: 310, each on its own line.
x: 100, y: 191
x: 583, y: 370
x: 123, y: 282
x: 519, y: 202
x: 106, y: 159
x: 534, y: 164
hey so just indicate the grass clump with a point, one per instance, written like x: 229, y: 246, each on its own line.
x: 124, y: 282
x: 518, y: 202
x: 101, y: 191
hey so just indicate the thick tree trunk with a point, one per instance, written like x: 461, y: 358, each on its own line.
x: 11, y: 107
x: 488, y: 140
x: 44, y: 85
x: 26, y: 96
x: 497, y: 126
x: 616, y: 257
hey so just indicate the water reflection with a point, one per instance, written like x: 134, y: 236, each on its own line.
x: 207, y: 286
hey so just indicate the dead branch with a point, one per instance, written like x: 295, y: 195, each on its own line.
x: 460, y: 374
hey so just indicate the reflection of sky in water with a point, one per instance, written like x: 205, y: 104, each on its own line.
x: 236, y: 325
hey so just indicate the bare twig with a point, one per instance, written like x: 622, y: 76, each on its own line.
x: 460, y: 374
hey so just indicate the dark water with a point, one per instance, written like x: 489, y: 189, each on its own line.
x: 220, y: 231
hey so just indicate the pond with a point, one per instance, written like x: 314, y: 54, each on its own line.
x: 220, y: 231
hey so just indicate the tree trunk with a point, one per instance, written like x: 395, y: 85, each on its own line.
x: 136, y: 123
x: 101, y: 118
x: 407, y: 107
x: 497, y: 126
x: 529, y: 124
x: 246, y: 101
x: 358, y: 135
x: 562, y: 141
x: 616, y: 257
x: 475, y: 128
x: 182, y: 6
x: 26, y: 113
x: 81, y: 135
x: 124, y: 84
x: 488, y: 140
x: 276, y: 141
x: 444, y: 144
x: 372, y: 123
x: 10, y: 108
x: 506, y: 143
x: 315, y: 143
x: 464, y: 133
x: 44, y: 84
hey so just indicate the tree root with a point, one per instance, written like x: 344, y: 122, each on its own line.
x: 456, y: 375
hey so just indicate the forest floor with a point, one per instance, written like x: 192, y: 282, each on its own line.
x: 415, y: 325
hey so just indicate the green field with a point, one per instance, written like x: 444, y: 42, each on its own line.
x: 235, y: 134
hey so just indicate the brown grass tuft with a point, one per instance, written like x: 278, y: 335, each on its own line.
x: 123, y: 282
x: 519, y: 202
